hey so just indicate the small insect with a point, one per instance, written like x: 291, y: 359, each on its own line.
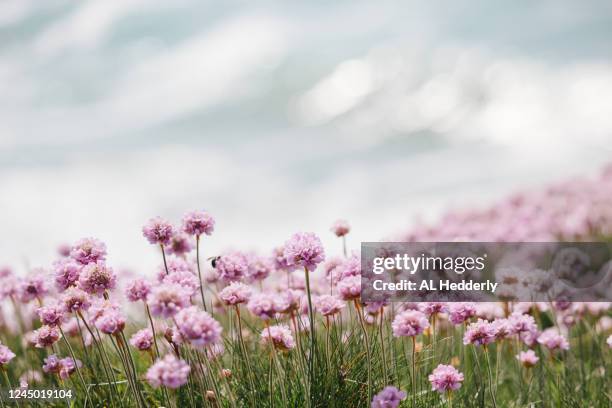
x: 213, y: 261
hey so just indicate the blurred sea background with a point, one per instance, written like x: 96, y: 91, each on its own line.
x: 279, y: 116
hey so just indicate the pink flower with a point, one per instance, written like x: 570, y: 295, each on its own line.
x: 167, y: 299
x: 187, y: 280
x: 279, y: 336
x: 445, y: 378
x: 461, y: 312
x: 304, y: 249
x: 32, y: 288
x: 263, y: 305
x: 260, y: 268
x: 74, y: 300
x: 67, y: 366
x: 88, y: 250
x: 409, y: 323
x: 198, y: 223
x: 180, y: 244
x: 67, y: 273
x: 111, y: 321
x: 479, y: 333
x: 328, y: 305
x: 6, y: 355
x: 96, y: 278
x: 280, y: 262
x: 520, y: 323
x: 349, y: 267
x: 50, y: 315
x: 232, y: 266
x: 142, y: 339
x: 349, y: 288
x: 46, y: 336
x: 527, y: 358
x: 235, y: 293
x: 158, y: 231
x: 341, y: 228
x: 552, y: 340
x: 198, y: 327
x: 432, y: 308
x: 169, y: 372
x: 51, y: 364
x: 389, y: 397
x: 137, y: 289
x: 174, y: 265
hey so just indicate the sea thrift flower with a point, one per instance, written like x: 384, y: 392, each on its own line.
x: 445, y: 378
x: 96, y: 278
x: 432, y: 308
x: 280, y: 262
x: 198, y: 327
x: 198, y: 223
x: 74, y: 300
x: 232, y: 266
x: 158, y: 231
x: 527, y: 358
x: 304, y: 249
x: 67, y: 366
x: 111, y: 321
x: 6, y: 355
x: 137, y: 289
x: 169, y: 372
x: 331, y: 265
x: 64, y: 250
x: 51, y: 364
x: 259, y: 268
x: 88, y: 250
x: 187, y: 280
x: 50, y: 315
x: 263, y: 305
x: 349, y: 267
x: 461, y: 312
x: 167, y: 299
x: 389, y: 397
x: 46, y: 336
x: 409, y: 323
x: 328, y: 305
x: 32, y: 288
x: 552, y: 340
x: 235, y: 293
x: 290, y: 300
x: 142, y: 339
x: 479, y: 333
x: 502, y: 328
x: 280, y: 336
x: 67, y: 273
x: 341, y: 228
x: 174, y: 265
x: 180, y: 244
x: 349, y: 288
x: 520, y: 323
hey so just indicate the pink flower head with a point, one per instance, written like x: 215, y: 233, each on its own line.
x: 520, y: 323
x: 158, y: 231
x: 289, y: 300
x: 32, y: 288
x: 198, y: 327
x: 64, y: 250
x: 167, y: 299
x: 461, y: 311
x: 51, y: 364
x: 174, y: 265
x: 198, y: 223
x: 260, y: 268
x: 527, y: 358
x: 96, y: 278
x: 280, y: 262
x: 187, y: 280
x: 502, y: 328
x: 329, y: 305
x: 432, y: 308
x: 479, y: 333
x: 111, y: 320
x: 51, y: 315
x: 137, y: 289
x: 341, y: 228
x: 445, y: 378
x: 169, y: 372
x: 232, y: 266
x: 75, y: 299
x: 67, y: 366
x: 278, y: 336
x: 46, y: 336
x: 6, y: 355
x: 142, y: 339
x: 235, y: 293
x: 552, y: 340
x: 88, y: 250
x: 409, y: 323
x: 180, y: 244
x: 349, y: 288
x: 67, y: 272
x: 304, y: 249
x: 389, y: 397
x: 349, y: 267
x: 331, y: 265
x: 263, y: 305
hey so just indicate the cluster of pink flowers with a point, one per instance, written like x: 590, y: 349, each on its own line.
x: 169, y: 372
x: 445, y: 378
x: 279, y: 336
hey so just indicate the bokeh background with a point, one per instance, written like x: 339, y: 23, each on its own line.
x: 283, y: 116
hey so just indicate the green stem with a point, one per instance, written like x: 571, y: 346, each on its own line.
x: 367, y: 344
x: 199, y: 270
x: 87, y: 397
x: 486, y: 351
x: 311, y: 357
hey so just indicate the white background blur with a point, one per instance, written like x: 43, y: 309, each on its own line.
x: 284, y: 116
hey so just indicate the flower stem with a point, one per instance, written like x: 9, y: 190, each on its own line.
x: 312, y: 333
x: 486, y: 351
x: 87, y: 397
x: 199, y: 270
x: 367, y: 344
x: 152, y: 329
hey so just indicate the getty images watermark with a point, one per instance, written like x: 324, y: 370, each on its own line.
x: 485, y: 271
